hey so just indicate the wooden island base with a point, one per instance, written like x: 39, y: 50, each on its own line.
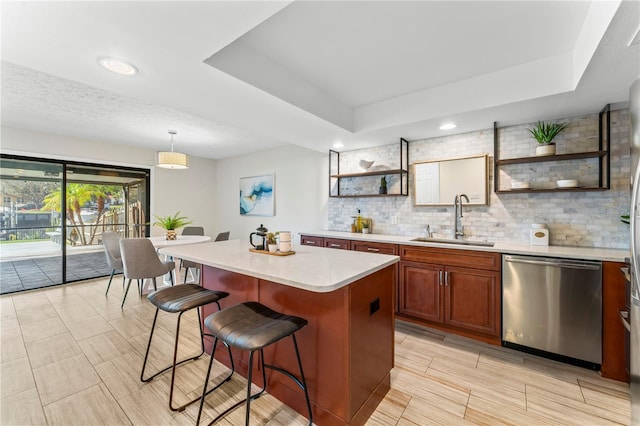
x: 347, y: 349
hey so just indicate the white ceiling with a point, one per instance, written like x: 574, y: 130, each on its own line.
x: 239, y: 77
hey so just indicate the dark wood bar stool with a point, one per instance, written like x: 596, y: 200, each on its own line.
x: 251, y: 327
x: 180, y: 299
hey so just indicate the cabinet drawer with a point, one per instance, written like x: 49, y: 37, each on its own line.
x: 452, y: 257
x: 337, y: 243
x: 381, y: 248
x: 307, y: 240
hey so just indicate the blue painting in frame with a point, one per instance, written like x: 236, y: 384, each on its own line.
x: 257, y: 196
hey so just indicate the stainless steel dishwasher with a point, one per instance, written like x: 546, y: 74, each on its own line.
x: 553, y: 307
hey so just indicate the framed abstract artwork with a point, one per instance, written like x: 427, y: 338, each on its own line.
x: 257, y: 196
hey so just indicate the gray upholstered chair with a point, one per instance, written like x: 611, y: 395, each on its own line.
x: 193, y: 230
x: 197, y: 230
x: 186, y: 264
x: 141, y: 261
x: 111, y: 244
x: 223, y: 236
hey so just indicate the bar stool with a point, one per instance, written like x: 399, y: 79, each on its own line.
x: 251, y: 326
x: 180, y: 299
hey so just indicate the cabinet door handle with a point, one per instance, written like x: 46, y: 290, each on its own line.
x: 373, y: 249
x: 446, y: 278
x: 626, y: 273
x: 309, y: 242
x: 624, y: 317
x: 440, y: 277
x: 334, y: 245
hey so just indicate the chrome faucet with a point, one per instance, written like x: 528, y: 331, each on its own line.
x: 427, y: 231
x: 457, y: 215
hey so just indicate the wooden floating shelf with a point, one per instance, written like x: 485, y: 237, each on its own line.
x: 374, y: 173
x: 533, y: 190
x: 559, y: 157
x: 368, y: 195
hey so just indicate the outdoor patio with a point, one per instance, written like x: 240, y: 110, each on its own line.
x: 30, y: 265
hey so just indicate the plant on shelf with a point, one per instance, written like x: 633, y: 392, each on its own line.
x: 171, y: 223
x: 383, y: 185
x: 544, y: 133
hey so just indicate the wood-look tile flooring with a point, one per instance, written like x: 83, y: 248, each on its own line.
x: 71, y: 356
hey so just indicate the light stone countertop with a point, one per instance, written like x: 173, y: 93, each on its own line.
x: 584, y: 253
x: 316, y: 269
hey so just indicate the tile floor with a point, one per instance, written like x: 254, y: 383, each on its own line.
x: 71, y: 356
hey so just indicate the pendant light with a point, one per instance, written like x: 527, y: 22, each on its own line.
x: 171, y: 159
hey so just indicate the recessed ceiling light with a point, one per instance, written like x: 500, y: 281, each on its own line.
x: 448, y: 126
x: 117, y: 65
x: 338, y: 145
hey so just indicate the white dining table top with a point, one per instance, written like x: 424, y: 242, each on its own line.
x: 161, y: 241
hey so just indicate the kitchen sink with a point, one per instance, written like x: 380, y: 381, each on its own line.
x: 455, y: 242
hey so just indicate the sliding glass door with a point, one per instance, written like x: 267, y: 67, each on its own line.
x: 30, y: 226
x: 55, y: 213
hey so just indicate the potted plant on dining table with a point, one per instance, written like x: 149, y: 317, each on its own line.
x: 171, y: 223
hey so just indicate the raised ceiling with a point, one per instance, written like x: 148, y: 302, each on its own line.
x: 239, y: 77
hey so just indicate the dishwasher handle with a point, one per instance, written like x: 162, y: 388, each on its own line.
x: 551, y: 262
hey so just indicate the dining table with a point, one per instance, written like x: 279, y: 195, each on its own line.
x: 161, y: 241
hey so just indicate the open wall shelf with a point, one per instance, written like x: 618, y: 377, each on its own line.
x: 336, y: 179
x: 602, y: 156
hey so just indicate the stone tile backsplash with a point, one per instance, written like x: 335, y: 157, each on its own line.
x: 585, y: 219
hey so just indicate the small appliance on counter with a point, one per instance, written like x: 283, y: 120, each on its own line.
x: 539, y: 235
x: 261, y: 233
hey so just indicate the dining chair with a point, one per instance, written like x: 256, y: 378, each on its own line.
x: 111, y: 244
x: 222, y: 236
x: 141, y: 261
x: 186, y: 264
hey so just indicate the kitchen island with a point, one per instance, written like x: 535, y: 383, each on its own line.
x: 347, y: 349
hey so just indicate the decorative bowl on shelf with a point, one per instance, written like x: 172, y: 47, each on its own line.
x: 365, y: 164
x: 567, y: 183
x: 519, y: 185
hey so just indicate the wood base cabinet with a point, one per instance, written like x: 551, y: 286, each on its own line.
x: 614, y: 349
x: 459, y: 299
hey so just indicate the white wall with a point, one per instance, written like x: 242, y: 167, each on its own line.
x: 301, y: 191
x: 190, y: 191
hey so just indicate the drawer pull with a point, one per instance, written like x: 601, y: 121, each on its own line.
x: 373, y: 249
x: 334, y: 245
x: 624, y: 317
x: 626, y: 273
x: 311, y: 243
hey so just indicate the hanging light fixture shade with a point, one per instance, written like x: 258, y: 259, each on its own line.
x: 172, y: 159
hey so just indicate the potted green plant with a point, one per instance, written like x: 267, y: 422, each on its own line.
x: 171, y: 223
x: 544, y: 133
x: 383, y: 185
x: 365, y: 227
x: 272, y: 242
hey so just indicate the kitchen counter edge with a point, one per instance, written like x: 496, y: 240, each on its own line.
x: 584, y: 253
x: 314, y: 269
